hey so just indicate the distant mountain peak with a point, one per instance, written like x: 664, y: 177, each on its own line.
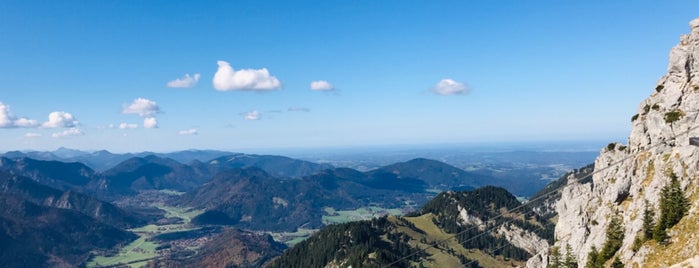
x: 64, y: 152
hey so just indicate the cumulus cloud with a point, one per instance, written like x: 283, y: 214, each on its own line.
x: 8, y: 120
x: 298, y: 109
x: 226, y: 78
x: 32, y: 135
x: 60, y: 119
x: 68, y: 133
x: 450, y: 87
x: 191, y: 131
x: 184, y: 82
x: 322, y: 85
x: 24, y: 122
x: 127, y: 126
x: 142, y: 107
x: 252, y: 115
x: 150, y: 122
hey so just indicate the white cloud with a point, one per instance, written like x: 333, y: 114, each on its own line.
x: 32, y: 135
x: 190, y: 131
x: 127, y: 126
x: 185, y: 81
x: 450, y: 87
x: 142, y: 107
x: 60, y: 119
x: 252, y: 115
x: 7, y: 120
x: 68, y: 133
x: 226, y: 78
x: 322, y: 85
x: 24, y: 122
x: 298, y: 109
x: 150, y: 122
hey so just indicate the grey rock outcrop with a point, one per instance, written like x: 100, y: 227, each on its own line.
x: 626, y: 177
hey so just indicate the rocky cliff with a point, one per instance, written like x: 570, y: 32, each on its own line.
x: 629, y: 176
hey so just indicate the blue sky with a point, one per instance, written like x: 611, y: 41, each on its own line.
x: 103, y: 74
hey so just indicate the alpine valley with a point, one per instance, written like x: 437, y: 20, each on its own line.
x: 70, y: 208
x: 636, y: 205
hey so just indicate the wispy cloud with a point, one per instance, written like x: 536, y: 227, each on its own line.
x: 322, y: 85
x: 8, y: 120
x: 188, y: 132
x: 184, y: 82
x: 32, y: 135
x: 450, y: 87
x: 150, y: 122
x: 142, y: 107
x: 127, y: 126
x: 60, y: 119
x: 252, y: 115
x: 298, y: 109
x: 226, y: 78
x: 68, y: 133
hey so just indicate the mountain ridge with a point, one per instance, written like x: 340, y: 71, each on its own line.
x: 631, y: 179
x: 41, y: 236
x: 439, y: 234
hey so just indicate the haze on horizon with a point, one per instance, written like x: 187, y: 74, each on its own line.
x: 132, y: 76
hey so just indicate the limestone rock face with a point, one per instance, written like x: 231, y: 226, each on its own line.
x: 521, y: 238
x: 627, y: 176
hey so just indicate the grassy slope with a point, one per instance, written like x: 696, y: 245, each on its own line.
x: 441, y: 258
x: 683, y: 237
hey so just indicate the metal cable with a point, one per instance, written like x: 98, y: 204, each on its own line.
x: 529, y: 202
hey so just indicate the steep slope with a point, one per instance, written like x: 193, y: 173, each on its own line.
x: 40, y: 236
x: 39, y: 194
x: 608, y: 213
x: 545, y: 201
x: 453, y: 229
x: 56, y: 174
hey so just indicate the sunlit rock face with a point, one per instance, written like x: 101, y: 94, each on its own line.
x: 628, y: 176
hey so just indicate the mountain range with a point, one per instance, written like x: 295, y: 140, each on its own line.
x: 440, y: 234
x: 251, y: 192
x: 45, y: 226
x: 636, y: 206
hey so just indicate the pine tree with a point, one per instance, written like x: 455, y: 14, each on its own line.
x: 648, y: 221
x: 555, y: 258
x: 570, y: 261
x: 673, y: 206
x: 593, y: 259
x: 617, y: 263
x: 615, y: 237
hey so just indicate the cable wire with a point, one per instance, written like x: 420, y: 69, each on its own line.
x: 530, y: 202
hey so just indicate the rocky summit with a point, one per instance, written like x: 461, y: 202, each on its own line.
x: 624, y: 214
